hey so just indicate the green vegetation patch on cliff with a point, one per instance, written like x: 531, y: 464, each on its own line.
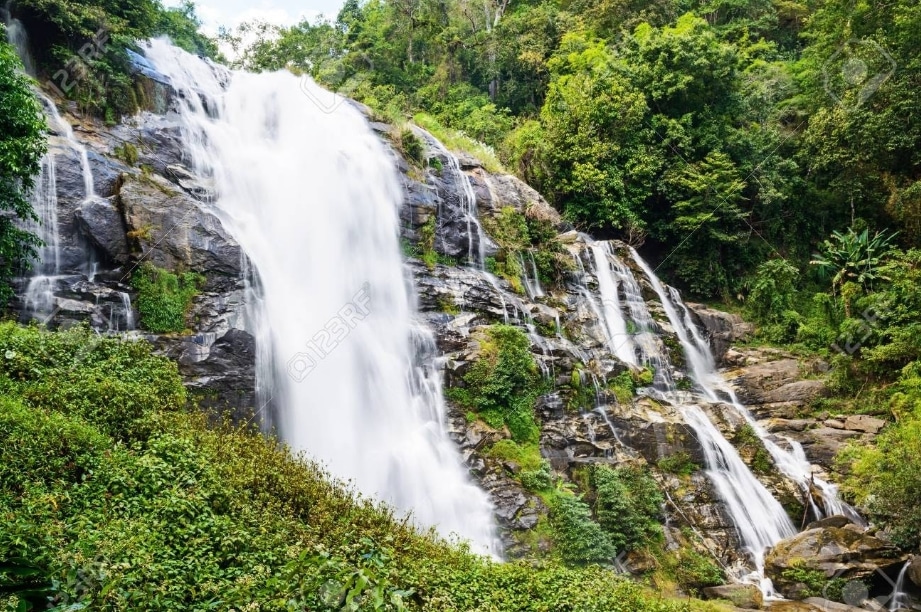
x: 164, y: 298
x: 504, y: 383
x: 113, y: 496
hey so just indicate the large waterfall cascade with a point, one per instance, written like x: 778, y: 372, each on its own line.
x: 313, y: 199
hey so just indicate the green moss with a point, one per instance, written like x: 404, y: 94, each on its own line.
x: 126, y: 152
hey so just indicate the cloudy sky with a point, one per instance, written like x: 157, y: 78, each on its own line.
x: 230, y: 13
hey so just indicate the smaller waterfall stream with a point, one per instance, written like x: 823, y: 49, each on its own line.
x: 791, y: 461
x: 900, y: 599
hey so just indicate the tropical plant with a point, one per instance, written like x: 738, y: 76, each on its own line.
x: 854, y: 257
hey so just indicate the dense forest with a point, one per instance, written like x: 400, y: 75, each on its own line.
x: 764, y: 155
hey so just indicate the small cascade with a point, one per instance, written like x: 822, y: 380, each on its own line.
x: 791, y: 462
x: 16, y: 35
x: 759, y: 519
x: 127, y: 311
x: 758, y: 516
x: 529, y: 278
x: 899, y: 600
x: 611, y: 313
x: 642, y: 347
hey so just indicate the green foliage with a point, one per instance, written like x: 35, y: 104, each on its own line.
x: 22, y: 144
x: 854, y: 257
x: 694, y: 571
x: 885, y: 477
x: 579, y: 539
x: 628, y: 506
x: 752, y: 448
x: 504, y: 383
x: 772, y: 290
x: 412, y: 146
x: 680, y: 464
x: 80, y: 48
x: 126, y: 152
x: 178, y: 516
x: 164, y: 298
x: 816, y: 583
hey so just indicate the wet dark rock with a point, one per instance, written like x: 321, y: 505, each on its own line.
x: 100, y: 220
x: 171, y: 230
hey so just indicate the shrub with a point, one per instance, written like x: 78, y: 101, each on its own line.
x: 628, y: 505
x: 164, y: 298
x: 190, y: 517
x: 679, y: 464
x: 504, y: 383
x: 578, y: 538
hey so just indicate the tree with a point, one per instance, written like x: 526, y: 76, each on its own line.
x: 22, y: 145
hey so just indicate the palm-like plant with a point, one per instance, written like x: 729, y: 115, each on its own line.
x: 854, y: 257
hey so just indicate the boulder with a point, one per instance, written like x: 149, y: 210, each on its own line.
x: 723, y: 328
x: 914, y: 570
x: 102, y: 223
x: 847, y: 552
x: 744, y: 596
x: 171, y: 231
x: 864, y: 423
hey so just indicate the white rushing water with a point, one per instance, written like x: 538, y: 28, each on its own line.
x: 619, y: 340
x: 899, y: 600
x: 760, y: 519
x: 313, y: 199
x: 790, y: 459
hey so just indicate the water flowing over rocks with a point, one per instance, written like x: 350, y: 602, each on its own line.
x: 151, y: 207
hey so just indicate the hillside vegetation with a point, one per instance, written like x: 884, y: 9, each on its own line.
x: 114, y: 496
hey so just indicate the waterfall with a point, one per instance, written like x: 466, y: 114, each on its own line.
x: 900, y: 599
x: 530, y: 279
x: 313, y: 199
x: 793, y: 463
x: 619, y: 340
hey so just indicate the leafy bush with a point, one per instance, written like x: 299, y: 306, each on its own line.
x: 628, y: 506
x: 164, y: 298
x: 885, y: 477
x: 679, y: 464
x: 22, y: 145
x: 854, y: 257
x: 772, y: 290
x: 578, y: 538
x: 504, y: 383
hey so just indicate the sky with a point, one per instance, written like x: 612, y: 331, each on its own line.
x: 230, y: 13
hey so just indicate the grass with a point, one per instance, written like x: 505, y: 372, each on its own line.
x: 457, y: 141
